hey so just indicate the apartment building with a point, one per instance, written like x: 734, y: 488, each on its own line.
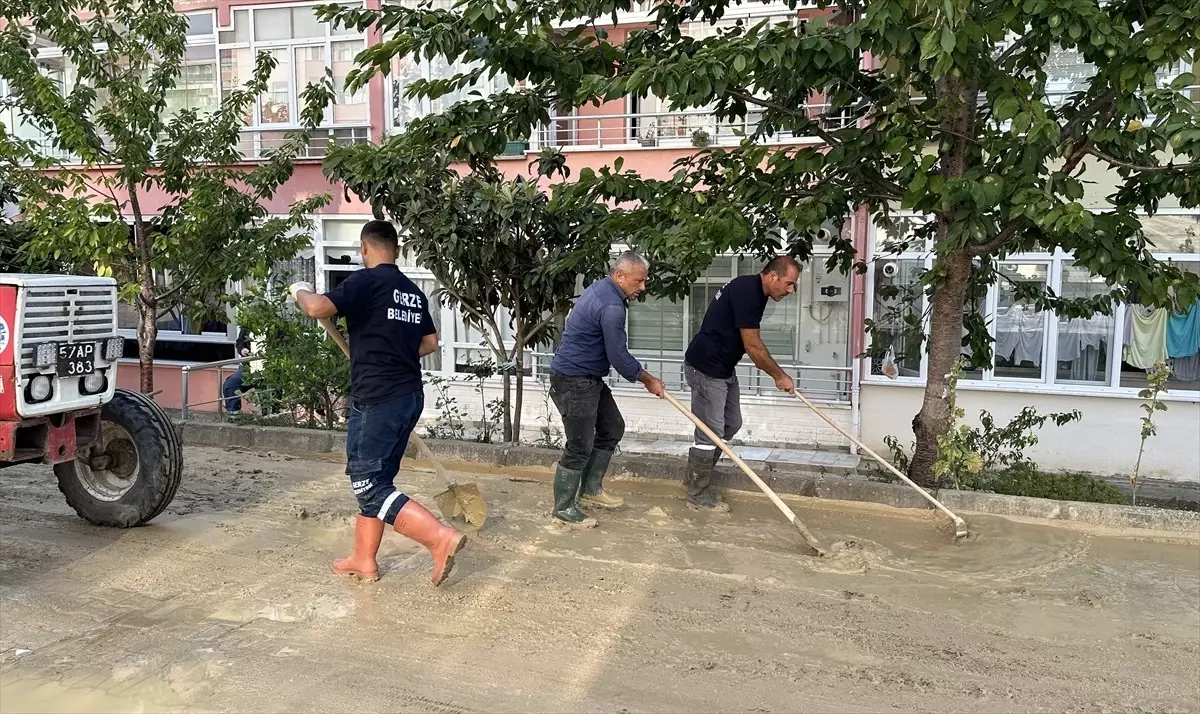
x: 1042, y: 360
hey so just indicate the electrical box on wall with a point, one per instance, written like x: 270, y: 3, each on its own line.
x: 828, y: 288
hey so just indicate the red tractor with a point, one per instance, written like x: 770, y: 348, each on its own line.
x: 116, y: 453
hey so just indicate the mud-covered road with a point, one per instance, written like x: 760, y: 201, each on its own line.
x: 225, y: 604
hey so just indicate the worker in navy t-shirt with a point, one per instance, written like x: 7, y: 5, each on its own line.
x: 391, y: 329
x: 730, y: 329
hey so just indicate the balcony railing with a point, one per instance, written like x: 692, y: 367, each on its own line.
x: 695, y: 128
x: 254, y: 142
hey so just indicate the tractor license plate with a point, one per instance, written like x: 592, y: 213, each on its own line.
x: 76, y: 359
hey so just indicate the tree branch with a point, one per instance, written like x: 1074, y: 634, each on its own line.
x: 483, y: 321
x: 1139, y: 167
x: 1000, y: 238
x: 768, y: 104
x: 1004, y: 56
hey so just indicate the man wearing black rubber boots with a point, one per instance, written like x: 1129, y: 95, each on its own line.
x: 593, y: 341
x: 391, y: 329
x: 730, y: 329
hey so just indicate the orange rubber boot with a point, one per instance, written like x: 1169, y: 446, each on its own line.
x: 416, y: 522
x: 361, y: 563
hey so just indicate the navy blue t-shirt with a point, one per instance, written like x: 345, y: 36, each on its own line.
x: 717, y: 347
x: 387, y: 315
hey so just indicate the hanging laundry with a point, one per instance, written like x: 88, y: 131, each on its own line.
x: 1127, y: 335
x: 1149, y: 338
x: 1019, y: 331
x: 1186, y: 369
x: 1183, y: 332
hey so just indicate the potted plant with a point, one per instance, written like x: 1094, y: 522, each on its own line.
x: 649, y: 134
x: 700, y: 138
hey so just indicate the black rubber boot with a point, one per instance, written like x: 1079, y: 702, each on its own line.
x: 701, y: 495
x: 566, y: 494
x: 592, y: 492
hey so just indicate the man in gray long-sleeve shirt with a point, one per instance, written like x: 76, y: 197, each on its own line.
x: 594, y: 341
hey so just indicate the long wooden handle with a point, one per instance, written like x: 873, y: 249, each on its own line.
x: 421, y: 447
x: 886, y: 464
x: 783, y: 507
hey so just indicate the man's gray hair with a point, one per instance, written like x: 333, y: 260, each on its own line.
x: 628, y: 261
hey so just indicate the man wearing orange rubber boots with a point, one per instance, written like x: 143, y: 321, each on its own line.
x: 391, y: 329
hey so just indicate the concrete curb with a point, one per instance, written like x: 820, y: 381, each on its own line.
x: 783, y: 478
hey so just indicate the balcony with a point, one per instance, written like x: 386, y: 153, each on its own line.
x: 253, y: 143
x: 692, y: 128
x: 256, y: 142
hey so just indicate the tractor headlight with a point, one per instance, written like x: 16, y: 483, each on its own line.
x: 94, y: 383
x: 39, y: 388
x: 114, y: 348
x: 46, y: 355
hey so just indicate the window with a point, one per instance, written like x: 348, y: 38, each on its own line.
x: 1020, y: 328
x: 897, y: 300
x: 1084, y: 343
x: 1032, y: 346
x: 807, y: 333
x: 406, y: 70
x: 196, y: 87
x: 303, y: 48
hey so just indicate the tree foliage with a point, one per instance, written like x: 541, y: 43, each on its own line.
x: 302, y: 371
x: 164, y: 203
x: 500, y: 254
x: 933, y: 107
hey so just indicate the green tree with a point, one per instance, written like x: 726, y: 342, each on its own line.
x: 161, y: 202
x: 301, y: 369
x: 500, y: 254
x: 938, y: 108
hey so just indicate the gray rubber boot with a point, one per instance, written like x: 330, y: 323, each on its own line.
x: 701, y: 494
x: 566, y: 493
x: 592, y: 492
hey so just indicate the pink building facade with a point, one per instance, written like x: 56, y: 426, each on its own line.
x: 1053, y: 363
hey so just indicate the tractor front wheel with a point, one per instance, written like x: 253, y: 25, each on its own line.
x: 132, y: 471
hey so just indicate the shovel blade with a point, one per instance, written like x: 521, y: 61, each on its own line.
x: 463, y: 499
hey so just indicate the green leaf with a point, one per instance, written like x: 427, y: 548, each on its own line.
x: 948, y: 40
x: 1184, y: 81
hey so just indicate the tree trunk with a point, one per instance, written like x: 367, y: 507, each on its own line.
x: 945, y: 346
x: 147, y: 303
x: 519, y: 358
x: 507, y: 406
x: 945, y: 327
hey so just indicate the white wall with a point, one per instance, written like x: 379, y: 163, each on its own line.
x: 1104, y: 442
x: 770, y: 421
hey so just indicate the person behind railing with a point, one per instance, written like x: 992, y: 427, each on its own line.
x: 232, y: 389
x: 730, y: 329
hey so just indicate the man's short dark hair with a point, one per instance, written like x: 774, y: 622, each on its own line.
x: 779, y: 265
x: 381, y: 233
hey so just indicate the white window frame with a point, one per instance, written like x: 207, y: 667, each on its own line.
x: 290, y: 45
x: 393, y: 94
x: 1048, y: 382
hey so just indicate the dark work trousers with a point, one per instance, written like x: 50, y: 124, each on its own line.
x: 376, y: 436
x: 716, y: 402
x: 232, y: 390
x: 590, y: 417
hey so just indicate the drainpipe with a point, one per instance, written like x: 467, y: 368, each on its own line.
x: 858, y: 289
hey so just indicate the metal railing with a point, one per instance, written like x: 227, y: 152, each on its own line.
x: 667, y: 129
x: 818, y: 382
x: 219, y: 366
x: 255, y: 141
